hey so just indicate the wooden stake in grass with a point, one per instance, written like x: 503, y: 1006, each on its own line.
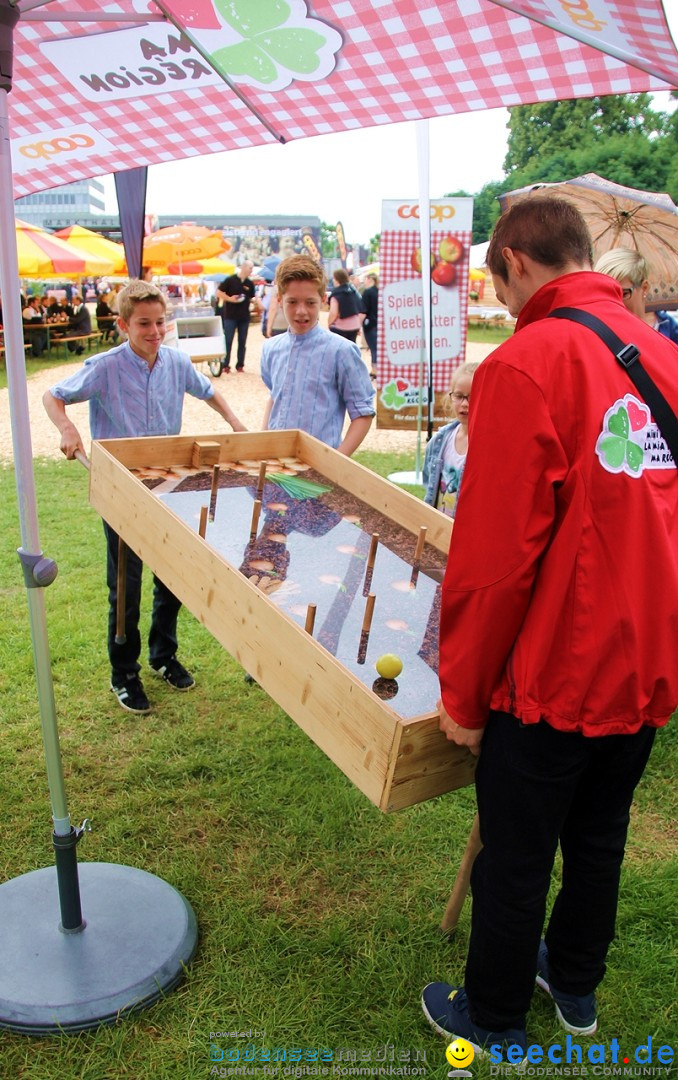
x: 202, y: 528
x: 416, y: 562
x: 213, y: 492
x: 365, y: 631
x: 262, y: 479
x: 121, y: 588
x: 310, y: 618
x: 369, y: 566
x: 254, y: 524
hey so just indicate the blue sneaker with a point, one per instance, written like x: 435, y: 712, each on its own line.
x: 446, y: 1009
x: 576, y: 1014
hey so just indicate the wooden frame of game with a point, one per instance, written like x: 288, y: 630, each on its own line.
x: 395, y: 760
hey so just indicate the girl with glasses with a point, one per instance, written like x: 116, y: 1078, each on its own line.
x: 446, y: 453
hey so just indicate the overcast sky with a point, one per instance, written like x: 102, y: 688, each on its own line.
x: 338, y: 177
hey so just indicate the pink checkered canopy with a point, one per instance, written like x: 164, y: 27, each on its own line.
x: 106, y: 85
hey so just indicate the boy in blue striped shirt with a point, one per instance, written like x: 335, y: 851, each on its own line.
x: 136, y: 389
x: 314, y: 377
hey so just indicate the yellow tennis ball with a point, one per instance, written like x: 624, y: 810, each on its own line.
x: 389, y: 666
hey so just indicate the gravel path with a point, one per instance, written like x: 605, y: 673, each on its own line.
x: 246, y: 394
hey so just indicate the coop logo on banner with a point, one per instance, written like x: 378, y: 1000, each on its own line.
x: 249, y: 46
x: 593, y: 17
x: 59, y: 147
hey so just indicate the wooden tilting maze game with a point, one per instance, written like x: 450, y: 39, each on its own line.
x: 307, y: 568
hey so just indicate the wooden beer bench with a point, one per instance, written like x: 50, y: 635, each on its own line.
x: 82, y: 339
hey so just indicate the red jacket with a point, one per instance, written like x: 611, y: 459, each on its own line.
x: 560, y: 599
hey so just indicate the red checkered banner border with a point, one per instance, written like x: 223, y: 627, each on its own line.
x: 401, y: 303
x: 92, y: 96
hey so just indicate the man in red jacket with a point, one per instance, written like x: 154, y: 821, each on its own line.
x: 559, y: 625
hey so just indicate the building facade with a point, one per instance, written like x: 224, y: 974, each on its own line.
x: 69, y: 203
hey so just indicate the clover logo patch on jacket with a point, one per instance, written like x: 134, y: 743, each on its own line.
x: 630, y: 440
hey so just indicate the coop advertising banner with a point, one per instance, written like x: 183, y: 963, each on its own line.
x: 401, y: 344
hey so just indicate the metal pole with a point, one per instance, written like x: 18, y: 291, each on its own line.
x: 425, y: 239
x: 38, y: 571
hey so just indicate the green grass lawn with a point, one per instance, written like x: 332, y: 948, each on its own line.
x: 318, y: 915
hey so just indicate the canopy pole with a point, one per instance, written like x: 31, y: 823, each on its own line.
x: 51, y: 981
x: 38, y: 571
x: 423, y: 158
x: 424, y: 202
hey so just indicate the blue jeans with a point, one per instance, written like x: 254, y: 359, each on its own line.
x: 230, y: 327
x: 536, y: 787
x: 162, y: 637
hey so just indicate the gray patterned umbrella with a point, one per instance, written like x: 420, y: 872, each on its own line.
x: 622, y: 217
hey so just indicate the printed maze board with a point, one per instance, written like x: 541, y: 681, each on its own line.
x: 308, y: 568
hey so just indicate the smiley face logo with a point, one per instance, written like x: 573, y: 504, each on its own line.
x: 460, y: 1053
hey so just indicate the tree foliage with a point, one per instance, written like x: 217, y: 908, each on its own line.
x: 329, y: 245
x: 537, y: 131
x: 620, y: 137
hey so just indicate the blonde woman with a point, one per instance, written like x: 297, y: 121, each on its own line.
x: 632, y: 272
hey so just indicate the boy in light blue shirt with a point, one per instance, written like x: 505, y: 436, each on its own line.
x: 136, y: 389
x: 314, y: 377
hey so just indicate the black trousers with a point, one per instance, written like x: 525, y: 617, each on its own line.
x: 537, y: 787
x: 350, y: 335
x: 370, y: 334
x: 162, y: 638
x: 230, y: 327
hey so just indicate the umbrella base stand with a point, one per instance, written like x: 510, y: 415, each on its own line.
x: 406, y: 478
x: 139, y: 935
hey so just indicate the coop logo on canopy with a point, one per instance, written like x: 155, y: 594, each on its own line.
x: 76, y: 142
x: 594, y: 17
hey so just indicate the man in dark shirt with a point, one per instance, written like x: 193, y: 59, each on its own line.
x: 79, y: 324
x: 236, y: 293
x: 371, y: 307
x: 33, y: 318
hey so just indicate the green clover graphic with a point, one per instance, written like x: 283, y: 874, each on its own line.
x: 391, y: 398
x: 615, y: 445
x: 267, y: 41
x: 619, y: 423
x: 251, y: 19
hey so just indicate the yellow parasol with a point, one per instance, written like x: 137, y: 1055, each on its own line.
x: 179, y: 245
x: 43, y: 255
x: 95, y: 244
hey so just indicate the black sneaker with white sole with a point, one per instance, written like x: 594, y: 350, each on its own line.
x: 131, y: 694
x: 577, y: 1014
x: 175, y: 674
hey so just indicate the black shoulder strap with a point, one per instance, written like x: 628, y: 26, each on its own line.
x: 629, y: 358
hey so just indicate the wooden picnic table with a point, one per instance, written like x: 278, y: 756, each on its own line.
x: 106, y: 323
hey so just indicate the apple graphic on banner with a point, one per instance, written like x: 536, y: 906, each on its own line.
x: 444, y: 273
x: 416, y: 260
x: 450, y: 249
